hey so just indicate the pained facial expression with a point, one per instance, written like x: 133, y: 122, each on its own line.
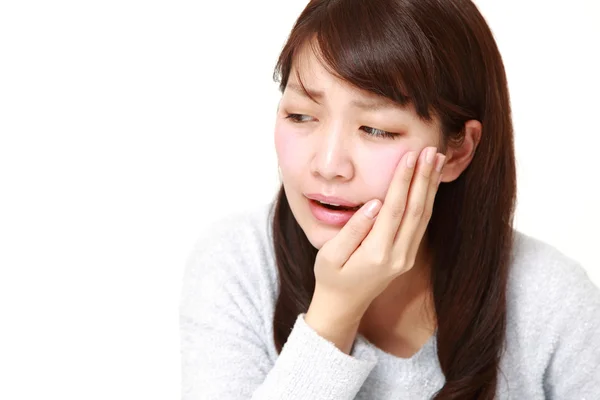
x: 341, y: 147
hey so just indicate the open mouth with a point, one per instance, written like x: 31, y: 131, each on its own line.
x: 336, y: 207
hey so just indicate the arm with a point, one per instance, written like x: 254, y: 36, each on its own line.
x: 224, y: 345
x: 311, y: 367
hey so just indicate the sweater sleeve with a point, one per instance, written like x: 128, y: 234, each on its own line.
x: 224, y: 339
x: 574, y: 368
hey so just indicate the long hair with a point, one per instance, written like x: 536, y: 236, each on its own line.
x: 441, y: 57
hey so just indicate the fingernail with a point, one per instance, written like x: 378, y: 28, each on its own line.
x: 372, y: 208
x: 440, y: 162
x: 411, y: 160
x: 430, y: 154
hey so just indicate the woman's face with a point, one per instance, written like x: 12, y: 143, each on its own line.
x: 339, y: 147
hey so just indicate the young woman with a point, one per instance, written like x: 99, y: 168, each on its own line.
x: 388, y: 267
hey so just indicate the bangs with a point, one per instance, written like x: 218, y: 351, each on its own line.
x: 381, y: 54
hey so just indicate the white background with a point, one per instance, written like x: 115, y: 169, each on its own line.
x: 126, y: 126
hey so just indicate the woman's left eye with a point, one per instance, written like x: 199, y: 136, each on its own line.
x: 299, y: 118
x: 379, y: 133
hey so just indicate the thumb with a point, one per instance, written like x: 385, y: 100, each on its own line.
x: 342, y: 245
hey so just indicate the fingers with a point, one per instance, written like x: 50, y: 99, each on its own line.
x: 339, y: 249
x: 419, y: 209
x: 434, y: 183
x: 394, y: 205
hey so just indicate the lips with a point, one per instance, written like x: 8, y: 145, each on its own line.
x: 334, y: 206
x: 334, y: 201
x: 330, y: 215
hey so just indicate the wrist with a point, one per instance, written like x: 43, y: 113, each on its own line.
x: 342, y: 335
x: 338, y: 326
x: 331, y: 307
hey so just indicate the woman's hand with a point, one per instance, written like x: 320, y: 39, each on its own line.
x: 376, y: 245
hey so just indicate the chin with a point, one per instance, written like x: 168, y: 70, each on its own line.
x: 317, y: 233
x: 318, y: 236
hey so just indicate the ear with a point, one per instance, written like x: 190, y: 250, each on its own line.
x: 459, y: 158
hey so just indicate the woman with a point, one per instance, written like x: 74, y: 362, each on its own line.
x: 388, y: 266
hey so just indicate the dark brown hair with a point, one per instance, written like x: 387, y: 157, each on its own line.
x: 439, y: 56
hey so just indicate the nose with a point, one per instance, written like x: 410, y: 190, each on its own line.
x: 331, y: 158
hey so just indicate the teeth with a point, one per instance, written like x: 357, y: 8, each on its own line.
x: 331, y: 204
x: 338, y: 205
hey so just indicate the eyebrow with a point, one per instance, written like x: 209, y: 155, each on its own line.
x: 368, y: 105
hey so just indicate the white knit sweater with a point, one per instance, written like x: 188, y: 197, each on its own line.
x: 229, y: 292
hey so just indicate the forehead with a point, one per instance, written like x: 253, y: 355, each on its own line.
x: 310, y: 78
x: 309, y: 68
x: 308, y: 61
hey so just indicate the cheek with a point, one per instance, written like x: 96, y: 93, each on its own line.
x: 380, y: 170
x: 287, y: 145
x: 281, y: 141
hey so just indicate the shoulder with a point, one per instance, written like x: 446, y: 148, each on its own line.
x: 234, y: 249
x: 236, y: 231
x: 547, y: 290
x: 539, y: 270
x: 553, y: 321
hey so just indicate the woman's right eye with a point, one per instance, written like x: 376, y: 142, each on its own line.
x: 297, y: 118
